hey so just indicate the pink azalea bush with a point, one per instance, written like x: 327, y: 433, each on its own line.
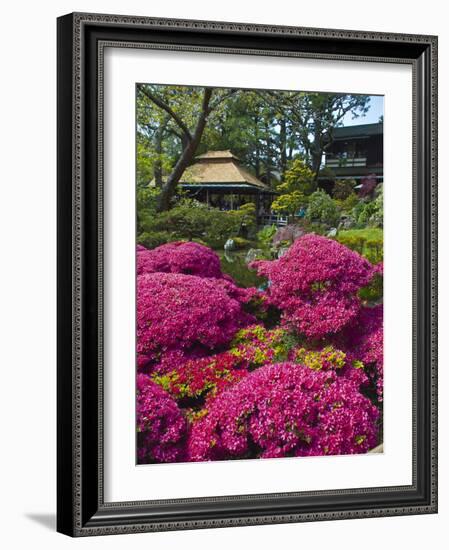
x: 191, y: 258
x: 328, y: 358
x: 255, y: 346
x: 222, y: 376
x: 365, y: 342
x: 179, y: 257
x: 200, y: 378
x: 315, y: 284
x: 183, y: 313
x: 161, y: 426
x: 285, y: 410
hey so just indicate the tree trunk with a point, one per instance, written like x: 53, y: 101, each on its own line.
x: 316, y: 151
x: 257, y: 152
x: 268, y: 156
x: 169, y: 188
x: 158, y: 147
x: 283, y: 146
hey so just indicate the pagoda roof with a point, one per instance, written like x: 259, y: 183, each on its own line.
x: 220, y: 167
x: 358, y: 131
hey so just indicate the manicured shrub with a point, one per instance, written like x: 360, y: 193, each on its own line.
x: 322, y: 209
x: 161, y: 426
x: 191, y: 220
x: 154, y: 238
x: 315, y: 285
x: 289, y: 203
x: 193, y: 381
x: 285, y: 410
x: 256, y: 346
x: 365, y: 342
x: 266, y: 234
x: 179, y: 257
x: 185, y: 313
x: 299, y: 177
x: 327, y: 358
x: 348, y: 204
x: 331, y: 358
x: 369, y: 212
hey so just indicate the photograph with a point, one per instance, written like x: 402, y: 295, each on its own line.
x: 259, y: 273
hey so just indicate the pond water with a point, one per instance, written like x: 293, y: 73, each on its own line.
x: 233, y: 264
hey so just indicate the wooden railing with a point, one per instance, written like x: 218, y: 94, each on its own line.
x: 273, y: 219
x: 340, y: 162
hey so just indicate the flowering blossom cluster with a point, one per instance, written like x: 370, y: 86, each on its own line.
x: 183, y: 313
x: 285, y: 409
x: 315, y: 284
x: 256, y: 346
x: 214, y: 385
x: 161, y: 426
x: 198, y: 378
x: 179, y: 257
x: 327, y: 358
x: 365, y: 343
x: 330, y: 358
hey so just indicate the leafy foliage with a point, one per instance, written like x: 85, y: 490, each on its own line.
x: 315, y: 285
x: 218, y: 386
x: 229, y: 371
x: 195, y: 380
x: 161, y: 426
x: 286, y: 410
x: 177, y: 312
x: 299, y: 177
x: 367, y: 242
x: 322, y: 209
x: 179, y: 257
x: 290, y: 203
x: 343, y: 188
x: 194, y: 221
x: 266, y: 234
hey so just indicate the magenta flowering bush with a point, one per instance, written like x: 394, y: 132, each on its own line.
x: 282, y: 410
x: 365, y: 342
x: 198, y: 379
x: 161, y: 426
x: 255, y: 346
x: 315, y: 285
x: 191, y: 258
x: 328, y: 358
x: 223, y: 376
x: 183, y: 314
x: 185, y: 257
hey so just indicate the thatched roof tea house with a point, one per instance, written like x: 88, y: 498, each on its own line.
x: 218, y: 178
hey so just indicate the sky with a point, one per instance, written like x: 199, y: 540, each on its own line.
x: 376, y: 110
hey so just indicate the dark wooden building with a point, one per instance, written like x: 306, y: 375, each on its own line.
x: 356, y: 151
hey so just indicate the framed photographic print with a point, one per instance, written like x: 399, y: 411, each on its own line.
x: 246, y: 274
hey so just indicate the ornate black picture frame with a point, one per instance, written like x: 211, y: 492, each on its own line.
x: 81, y: 510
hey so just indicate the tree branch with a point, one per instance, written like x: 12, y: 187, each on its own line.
x: 164, y: 106
x: 187, y: 154
x: 221, y: 99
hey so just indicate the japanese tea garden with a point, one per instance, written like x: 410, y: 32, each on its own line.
x: 259, y: 270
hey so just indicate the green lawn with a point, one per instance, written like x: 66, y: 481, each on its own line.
x: 368, y: 242
x: 369, y: 233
